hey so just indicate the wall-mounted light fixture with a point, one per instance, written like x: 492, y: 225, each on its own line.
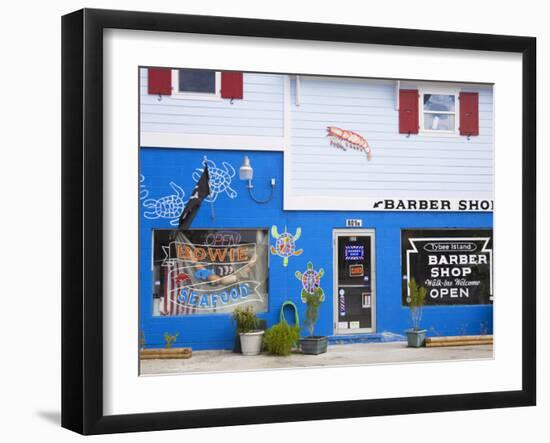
x: 246, y: 173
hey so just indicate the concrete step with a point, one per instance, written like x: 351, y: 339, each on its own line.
x: 382, y: 337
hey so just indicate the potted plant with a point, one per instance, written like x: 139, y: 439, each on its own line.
x: 280, y: 338
x: 312, y: 295
x: 170, y: 339
x: 415, y: 300
x: 248, y: 329
x: 262, y: 325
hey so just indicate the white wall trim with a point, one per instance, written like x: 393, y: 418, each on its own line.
x: 298, y: 85
x: 207, y: 141
x: 287, y: 130
x: 315, y: 203
x: 397, y: 89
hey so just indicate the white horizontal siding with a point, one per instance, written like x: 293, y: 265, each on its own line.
x: 260, y: 113
x: 407, y: 145
x: 209, y: 129
x: 419, y: 166
x: 389, y: 133
x: 344, y: 202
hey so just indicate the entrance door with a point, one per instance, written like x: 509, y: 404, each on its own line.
x: 354, y: 281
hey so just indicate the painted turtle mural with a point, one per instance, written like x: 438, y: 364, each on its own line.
x: 220, y: 180
x: 311, y: 280
x: 169, y: 206
x: 285, y: 245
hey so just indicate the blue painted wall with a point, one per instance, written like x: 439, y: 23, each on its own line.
x: 161, y: 166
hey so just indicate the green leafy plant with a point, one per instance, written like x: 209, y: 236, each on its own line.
x: 169, y: 340
x: 246, y: 319
x: 416, y: 300
x: 313, y: 301
x: 280, y: 338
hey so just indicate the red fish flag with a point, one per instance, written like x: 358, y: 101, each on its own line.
x: 201, y: 191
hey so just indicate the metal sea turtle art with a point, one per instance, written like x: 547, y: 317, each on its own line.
x: 143, y: 192
x: 285, y: 245
x: 169, y: 206
x: 220, y: 180
x: 311, y: 280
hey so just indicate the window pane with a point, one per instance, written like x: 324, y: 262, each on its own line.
x: 197, y: 80
x: 439, y: 102
x: 439, y: 122
x: 209, y: 271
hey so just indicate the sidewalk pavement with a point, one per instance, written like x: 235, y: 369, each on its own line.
x: 337, y: 355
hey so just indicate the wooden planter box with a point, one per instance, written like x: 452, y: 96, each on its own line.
x: 460, y: 340
x: 165, y: 353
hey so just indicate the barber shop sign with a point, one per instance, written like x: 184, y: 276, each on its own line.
x: 454, y: 265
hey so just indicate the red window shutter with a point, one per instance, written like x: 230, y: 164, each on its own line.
x: 469, y: 113
x: 159, y: 81
x: 232, y: 85
x: 408, y: 111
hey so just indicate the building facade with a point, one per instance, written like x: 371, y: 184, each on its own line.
x: 359, y: 186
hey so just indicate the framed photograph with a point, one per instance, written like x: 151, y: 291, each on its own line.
x: 273, y: 221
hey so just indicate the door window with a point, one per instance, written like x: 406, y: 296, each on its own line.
x: 354, y: 281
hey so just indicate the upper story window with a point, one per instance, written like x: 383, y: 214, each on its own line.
x: 196, y: 84
x: 438, y: 112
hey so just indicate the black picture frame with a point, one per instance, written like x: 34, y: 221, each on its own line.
x: 82, y: 218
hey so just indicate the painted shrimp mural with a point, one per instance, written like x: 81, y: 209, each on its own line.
x: 344, y: 139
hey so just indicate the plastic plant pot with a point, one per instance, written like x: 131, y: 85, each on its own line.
x: 415, y: 339
x: 251, y: 342
x: 262, y: 324
x: 314, y: 345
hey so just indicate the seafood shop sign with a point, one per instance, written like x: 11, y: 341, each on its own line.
x: 454, y: 265
x: 212, y: 277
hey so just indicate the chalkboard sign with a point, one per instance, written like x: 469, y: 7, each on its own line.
x: 454, y: 265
